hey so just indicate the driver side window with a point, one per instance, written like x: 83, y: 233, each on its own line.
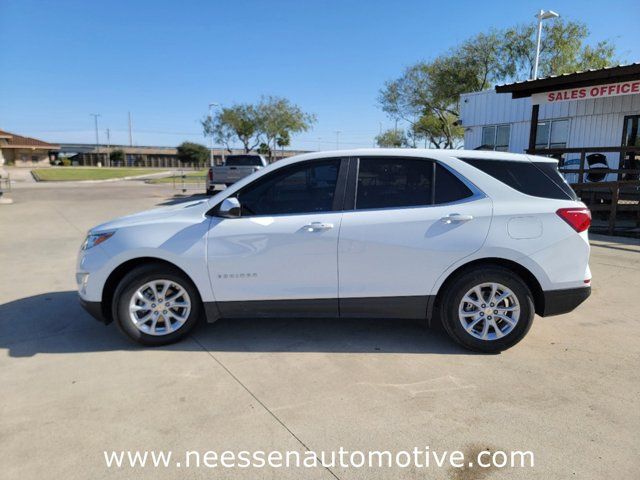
x: 306, y: 188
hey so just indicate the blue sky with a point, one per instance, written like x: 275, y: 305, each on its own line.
x: 165, y: 61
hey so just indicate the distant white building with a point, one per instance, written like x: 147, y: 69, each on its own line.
x: 595, y: 109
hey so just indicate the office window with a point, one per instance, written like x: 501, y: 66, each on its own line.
x: 552, y: 134
x: 496, y: 137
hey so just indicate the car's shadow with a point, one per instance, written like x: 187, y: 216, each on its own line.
x: 55, y: 323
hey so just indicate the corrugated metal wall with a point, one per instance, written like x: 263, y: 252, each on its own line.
x: 592, y: 123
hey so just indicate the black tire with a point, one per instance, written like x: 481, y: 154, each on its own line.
x: 455, y: 291
x: 211, y: 191
x: 136, y: 279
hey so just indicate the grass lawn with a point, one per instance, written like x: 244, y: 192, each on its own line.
x: 190, y: 176
x: 67, y: 174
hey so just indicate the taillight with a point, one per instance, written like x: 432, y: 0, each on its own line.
x: 211, y: 174
x: 578, y: 218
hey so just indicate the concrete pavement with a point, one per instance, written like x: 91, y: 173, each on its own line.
x: 73, y: 388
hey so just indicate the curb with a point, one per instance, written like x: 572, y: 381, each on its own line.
x: 106, y: 180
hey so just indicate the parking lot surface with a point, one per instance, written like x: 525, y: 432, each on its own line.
x: 73, y: 388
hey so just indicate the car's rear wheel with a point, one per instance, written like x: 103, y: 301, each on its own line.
x: 156, y: 305
x: 488, y: 309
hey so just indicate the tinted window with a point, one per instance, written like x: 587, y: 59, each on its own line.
x: 551, y: 171
x: 297, y: 189
x: 448, y: 187
x: 243, y: 161
x: 537, y: 179
x: 394, y: 182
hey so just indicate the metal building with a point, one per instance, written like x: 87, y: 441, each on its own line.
x: 589, y: 120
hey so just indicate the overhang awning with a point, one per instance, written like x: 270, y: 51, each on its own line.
x: 587, y: 78
x: 600, y: 83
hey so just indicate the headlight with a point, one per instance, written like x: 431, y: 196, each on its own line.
x: 94, y: 239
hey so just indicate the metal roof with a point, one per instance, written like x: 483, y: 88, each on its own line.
x: 600, y: 76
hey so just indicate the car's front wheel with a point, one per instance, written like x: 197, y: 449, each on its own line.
x: 487, y: 309
x: 156, y: 305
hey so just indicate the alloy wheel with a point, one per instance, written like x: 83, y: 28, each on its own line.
x: 159, y: 307
x: 489, y: 311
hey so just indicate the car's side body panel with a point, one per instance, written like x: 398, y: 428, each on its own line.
x: 274, y: 258
x: 389, y: 262
x: 401, y: 252
x: 181, y: 242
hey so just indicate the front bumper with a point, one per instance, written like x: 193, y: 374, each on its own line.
x: 95, y: 309
x: 557, y: 302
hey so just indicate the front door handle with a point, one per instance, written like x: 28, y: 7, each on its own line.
x: 456, y: 218
x: 318, y: 227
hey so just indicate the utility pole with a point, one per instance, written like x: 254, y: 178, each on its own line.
x: 95, y: 119
x: 338, y: 132
x: 130, y: 134
x: 108, y: 147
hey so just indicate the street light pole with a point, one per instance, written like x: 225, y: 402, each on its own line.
x: 211, y: 105
x: 130, y: 133
x: 542, y: 15
x: 95, y: 119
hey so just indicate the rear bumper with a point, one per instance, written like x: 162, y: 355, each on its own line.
x: 557, y: 302
x: 94, y: 308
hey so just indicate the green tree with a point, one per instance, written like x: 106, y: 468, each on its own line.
x: 221, y: 133
x: 279, y: 119
x: 239, y: 122
x: 272, y: 121
x: 422, y: 95
x: 193, y: 154
x: 427, y: 94
x: 263, y: 149
x: 117, y: 157
x: 392, y: 138
x: 563, y: 49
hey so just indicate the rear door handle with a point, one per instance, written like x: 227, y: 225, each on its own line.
x: 456, y: 218
x: 318, y: 227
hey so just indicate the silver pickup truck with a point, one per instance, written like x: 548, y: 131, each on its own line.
x: 235, y: 167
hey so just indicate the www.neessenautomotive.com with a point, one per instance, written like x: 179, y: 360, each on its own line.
x: 415, y: 458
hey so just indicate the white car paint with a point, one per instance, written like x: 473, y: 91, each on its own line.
x: 375, y: 253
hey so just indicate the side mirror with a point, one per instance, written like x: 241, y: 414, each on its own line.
x: 229, y: 208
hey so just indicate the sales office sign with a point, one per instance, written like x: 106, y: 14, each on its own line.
x: 584, y: 93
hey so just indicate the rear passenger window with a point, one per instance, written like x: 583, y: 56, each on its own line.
x: 449, y: 188
x: 541, y: 180
x: 394, y: 182
x: 406, y: 182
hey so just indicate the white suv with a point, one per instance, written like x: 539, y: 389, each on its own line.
x: 479, y: 240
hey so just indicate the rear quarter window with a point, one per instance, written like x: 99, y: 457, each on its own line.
x: 448, y: 188
x: 538, y: 179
